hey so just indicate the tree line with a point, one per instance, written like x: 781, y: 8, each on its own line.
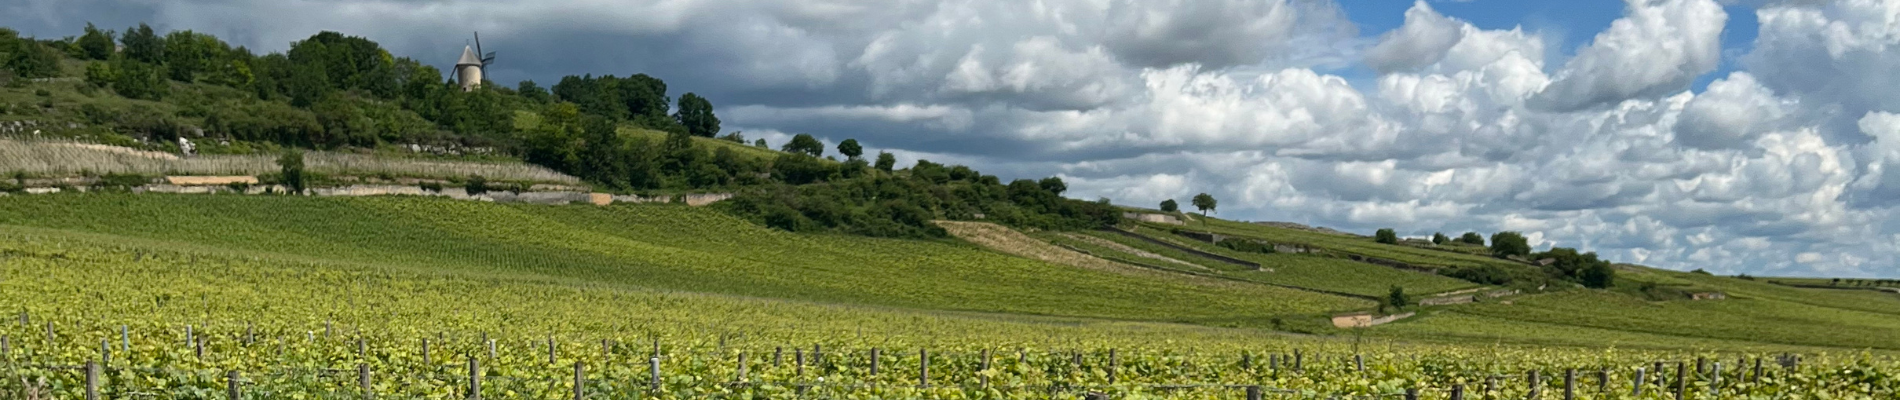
x: 333, y: 90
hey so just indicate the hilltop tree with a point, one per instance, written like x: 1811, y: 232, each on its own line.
x: 1170, y: 206
x: 886, y: 161
x: 1472, y: 238
x: 696, y: 113
x: 96, y: 44
x: 1205, y: 203
x: 1439, y: 238
x: 1509, y: 243
x: 759, y: 143
x: 143, y: 45
x: 850, y: 149
x: 1052, y: 184
x: 805, y: 144
x: 1386, y: 235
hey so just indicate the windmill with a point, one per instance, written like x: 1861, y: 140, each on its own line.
x: 473, y: 64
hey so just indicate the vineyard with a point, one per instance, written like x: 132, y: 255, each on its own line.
x: 130, y: 321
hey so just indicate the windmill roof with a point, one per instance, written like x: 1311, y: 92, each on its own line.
x: 468, y: 57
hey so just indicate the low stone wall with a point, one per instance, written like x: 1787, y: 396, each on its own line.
x: 1362, y: 320
x: 1447, y: 300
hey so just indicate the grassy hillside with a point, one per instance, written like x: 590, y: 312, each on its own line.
x: 1348, y: 244
x: 675, y: 248
x: 1307, y: 271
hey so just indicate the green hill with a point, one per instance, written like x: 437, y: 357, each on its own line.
x: 661, y: 247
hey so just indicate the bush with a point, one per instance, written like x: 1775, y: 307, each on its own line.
x: 121, y: 181
x: 476, y: 185
x: 1386, y: 236
x: 292, y: 171
x: 1509, y: 243
x: 1598, y: 276
x: 1246, y: 246
x: 42, y: 93
x: 1482, y: 274
x: 433, y: 187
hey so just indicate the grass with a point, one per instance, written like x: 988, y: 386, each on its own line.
x: 63, y: 158
x: 1298, y: 270
x: 660, y: 247
x: 1346, y: 244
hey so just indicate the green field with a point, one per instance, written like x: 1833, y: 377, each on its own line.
x: 312, y: 276
x: 1347, y: 244
x: 675, y: 248
x: 1308, y: 271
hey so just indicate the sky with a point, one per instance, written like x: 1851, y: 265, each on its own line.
x: 1734, y: 136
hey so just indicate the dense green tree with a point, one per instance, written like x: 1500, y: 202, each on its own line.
x: 760, y: 143
x: 189, y: 54
x: 532, y: 92
x: 290, y: 168
x: 1472, y: 238
x: 1053, y: 184
x: 886, y: 161
x: 1439, y: 238
x: 1205, y: 203
x: 696, y: 113
x: 850, y: 149
x: 1170, y: 206
x: 139, y: 80
x: 1509, y: 243
x: 804, y: 143
x: 33, y: 60
x: 1386, y: 235
x: 307, y: 84
x: 143, y: 45
x: 556, y: 142
x: 602, y: 160
x: 1599, y: 275
x: 343, y: 123
x: 645, y: 95
x: 101, y: 74
x: 346, y: 62
x: 1397, y: 298
x: 97, y: 44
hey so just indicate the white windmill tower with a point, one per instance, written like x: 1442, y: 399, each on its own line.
x: 470, y: 68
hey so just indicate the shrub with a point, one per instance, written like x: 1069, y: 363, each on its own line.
x: 1246, y: 246
x: 292, y: 171
x: 476, y: 185
x: 1509, y: 243
x: 1386, y: 236
x: 435, y: 187
x: 42, y: 93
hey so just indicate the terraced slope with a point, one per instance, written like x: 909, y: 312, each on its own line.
x: 659, y: 247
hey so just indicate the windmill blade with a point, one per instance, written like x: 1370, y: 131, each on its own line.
x: 478, y: 43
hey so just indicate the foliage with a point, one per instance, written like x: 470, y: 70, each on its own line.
x: 804, y: 143
x: 1051, y: 184
x: 1397, y: 298
x: 1509, y: 243
x: 476, y: 185
x: 696, y: 113
x: 96, y: 44
x: 139, y: 80
x: 30, y: 60
x: 292, y: 173
x: 143, y: 45
x: 850, y: 149
x: 1386, y: 235
x: 886, y: 161
x: 1170, y: 206
x: 1246, y: 246
x: 1439, y: 238
x: 1205, y: 203
x: 1472, y: 238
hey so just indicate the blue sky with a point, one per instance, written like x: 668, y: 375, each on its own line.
x: 1697, y: 135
